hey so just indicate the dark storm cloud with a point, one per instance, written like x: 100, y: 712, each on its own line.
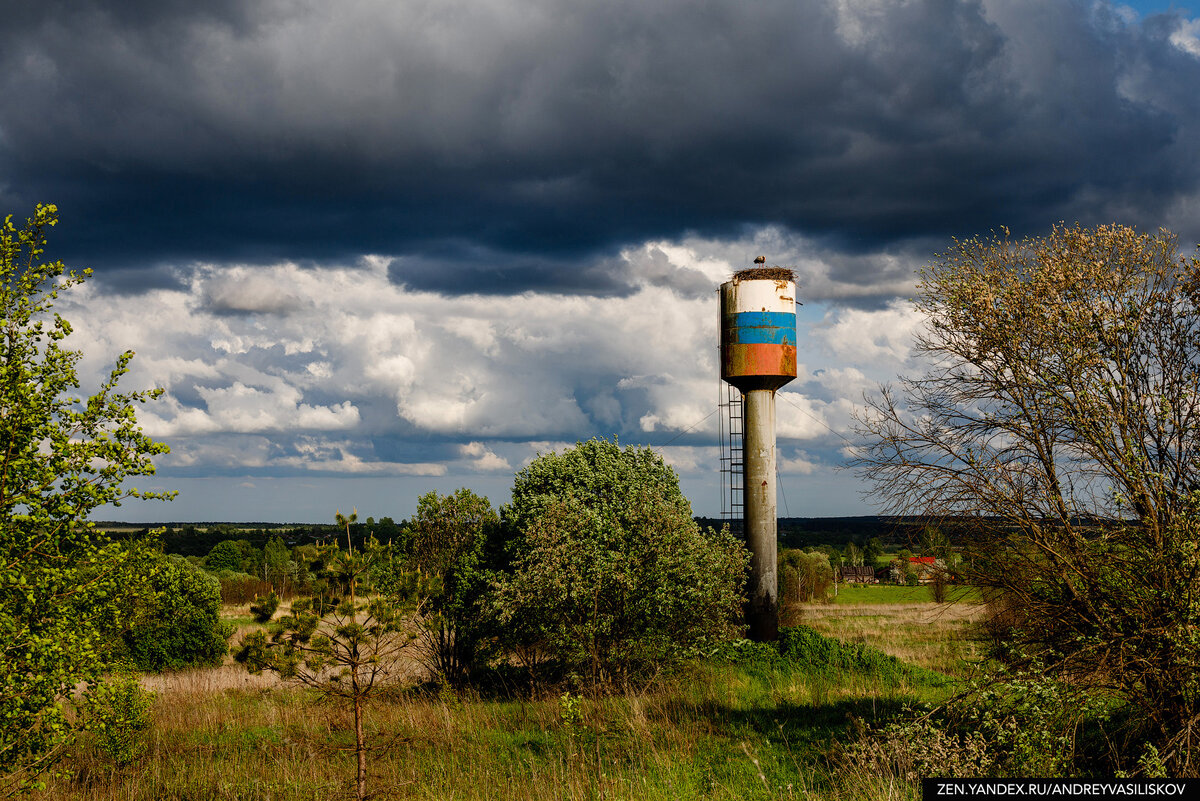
x: 540, y: 136
x: 457, y: 267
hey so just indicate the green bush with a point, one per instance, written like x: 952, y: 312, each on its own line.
x: 225, y: 555
x: 177, y: 622
x: 599, y: 474
x: 264, y: 609
x: 803, y: 645
x: 611, y: 577
x: 448, y: 539
x: 1018, y: 724
x: 117, y: 712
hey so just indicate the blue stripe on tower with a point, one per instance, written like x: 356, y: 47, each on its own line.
x: 764, y: 328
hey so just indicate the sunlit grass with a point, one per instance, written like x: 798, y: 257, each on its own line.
x: 861, y: 594
x: 720, y: 731
x: 934, y: 636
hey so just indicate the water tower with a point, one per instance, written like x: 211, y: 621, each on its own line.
x: 758, y: 356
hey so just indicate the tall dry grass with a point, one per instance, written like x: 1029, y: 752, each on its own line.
x: 722, y: 733
x: 719, y: 732
x: 935, y: 636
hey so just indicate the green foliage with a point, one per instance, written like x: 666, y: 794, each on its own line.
x: 1019, y: 724
x: 599, y: 474
x: 803, y: 645
x: 265, y: 608
x: 225, y: 555
x: 117, y: 712
x: 175, y: 621
x: 934, y: 542
x: 347, y: 648
x: 613, y: 580
x: 62, y: 456
x: 910, y: 750
x: 872, y: 550
x: 805, y: 648
x: 1059, y: 414
x: 804, y: 576
x: 448, y: 536
x: 341, y: 652
x: 278, y: 567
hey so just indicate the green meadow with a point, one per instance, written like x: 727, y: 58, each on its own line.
x: 747, y: 723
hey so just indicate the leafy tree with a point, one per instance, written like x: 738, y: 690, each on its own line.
x: 832, y: 554
x: 225, y: 555
x: 613, y: 578
x: 60, y: 458
x: 388, y: 531
x: 806, y: 575
x: 1057, y: 424
x: 252, y: 557
x: 348, y: 650
x: 934, y: 542
x: 872, y: 550
x: 600, y: 474
x: 278, y: 567
x: 174, y: 621
x: 448, y: 539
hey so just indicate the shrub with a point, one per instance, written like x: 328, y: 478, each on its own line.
x: 914, y: 749
x: 265, y: 608
x: 1022, y: 725
x: 240, y: 588
x: 938, y: 586
x: 804, y: 648
x: 177, y: 623
x: 448, y: 538
x: 600, y: 474
x: 117, y: 712
x: 612, y: 578
x: 805, y: 576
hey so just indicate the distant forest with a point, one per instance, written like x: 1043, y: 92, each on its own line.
x: 198, y: 538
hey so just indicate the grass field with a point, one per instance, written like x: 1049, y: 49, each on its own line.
x: 721, y: 731
x: 867, y: 594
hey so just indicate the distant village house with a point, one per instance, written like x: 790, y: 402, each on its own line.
x: 859, y: 574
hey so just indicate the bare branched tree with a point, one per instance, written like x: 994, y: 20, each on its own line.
x: 1059, y: 415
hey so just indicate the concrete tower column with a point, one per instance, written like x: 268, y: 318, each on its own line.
x: 762, y: 590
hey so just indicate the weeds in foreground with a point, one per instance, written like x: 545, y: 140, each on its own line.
x: 1013, y: 724
x: 754, y: 728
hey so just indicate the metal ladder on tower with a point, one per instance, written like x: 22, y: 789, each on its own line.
x: 729, y: 400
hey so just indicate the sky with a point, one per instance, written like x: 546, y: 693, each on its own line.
x: 376, y: 248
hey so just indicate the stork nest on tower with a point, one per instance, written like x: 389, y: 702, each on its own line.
x: 765, y: 274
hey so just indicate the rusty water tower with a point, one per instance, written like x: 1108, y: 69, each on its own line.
x: 758, y: 356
